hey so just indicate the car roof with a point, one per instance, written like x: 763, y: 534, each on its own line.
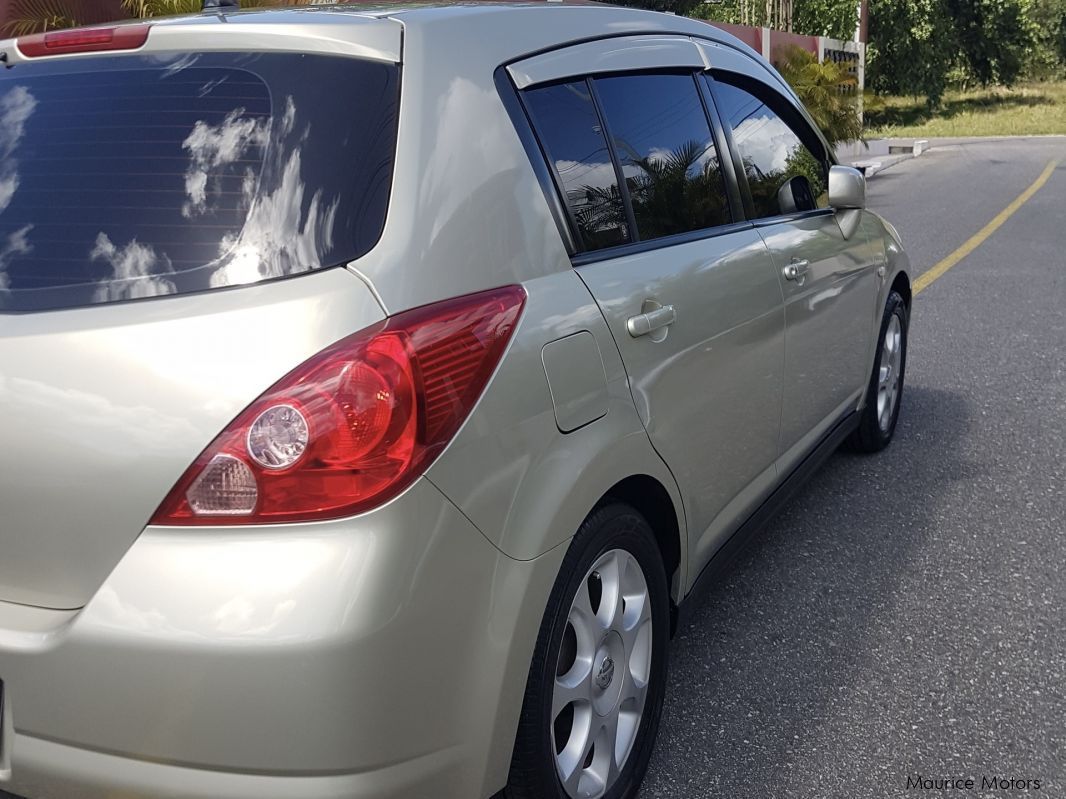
x: 479, y: 30
x: 418, y: 13
x: 378, y: 8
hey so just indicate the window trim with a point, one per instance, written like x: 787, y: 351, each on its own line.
x: 792, y: 118
x: 606, y: 56
x: 769, y: 221
x: 723, y: 142
x: 619, y: 175
x: 648, y: 245
x: 543, y: 168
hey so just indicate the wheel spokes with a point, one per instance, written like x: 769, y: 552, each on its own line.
x: 636, y: 607
x: 638, y: 665
x: 626, y: 734
x: 602, y: 676
x: 610, y: 609
x: 570, y: 761
x: 573, y: 687
x: 608, y: 760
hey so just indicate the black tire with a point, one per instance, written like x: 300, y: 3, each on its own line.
x: 870, y: 436
x: 533, y: 772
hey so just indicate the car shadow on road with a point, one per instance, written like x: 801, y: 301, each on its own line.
x: 785, y: 633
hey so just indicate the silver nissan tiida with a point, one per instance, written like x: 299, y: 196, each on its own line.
x: 377, y: 383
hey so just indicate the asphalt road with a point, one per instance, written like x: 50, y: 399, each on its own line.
x: 906, y: 614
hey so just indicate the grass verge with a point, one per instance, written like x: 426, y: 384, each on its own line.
x: 1026, y: 110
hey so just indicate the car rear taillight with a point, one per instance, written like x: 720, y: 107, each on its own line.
x: 354, y: 425
x: 83, y: 40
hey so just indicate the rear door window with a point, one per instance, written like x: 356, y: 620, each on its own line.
x: 663, y: 142
x: 775, y: 146
x: 649, y: 130
x: 570, y: 131
x: 130, y: 177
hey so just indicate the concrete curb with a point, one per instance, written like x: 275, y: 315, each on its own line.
x: 894, y: 152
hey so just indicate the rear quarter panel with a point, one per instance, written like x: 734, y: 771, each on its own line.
x: 105, y: 407
x: 523, y: 482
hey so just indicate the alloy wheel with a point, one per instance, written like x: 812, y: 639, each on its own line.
x: 888, y: 379
x: 602, y: 676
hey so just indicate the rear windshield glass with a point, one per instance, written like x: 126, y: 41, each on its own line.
x: 130, y: 177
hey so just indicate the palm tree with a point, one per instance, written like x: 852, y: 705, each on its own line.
x: 165, y: 8
x: 160, y: 8
x: 36, y: 16
x: 828, y: 91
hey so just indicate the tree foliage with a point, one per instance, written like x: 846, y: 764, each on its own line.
x: 720, y: 11
x: 35, y: 16
x: 911, y: 48
x: 915, y: 45
x: 836, y: 19
x: 992, y: 38
x: 681, y: 7
x: 160, y: 8
x: 1048, y: 56
x: 164, y: 8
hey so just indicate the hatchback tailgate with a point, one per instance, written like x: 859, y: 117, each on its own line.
x: 102, y: 409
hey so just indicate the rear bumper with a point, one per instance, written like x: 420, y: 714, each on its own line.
x: 48, y: 770
x: 381, y: 656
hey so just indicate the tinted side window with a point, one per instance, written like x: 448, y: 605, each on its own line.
x: 772, y: 151
x: 569, y: 128
x: 664, y: 144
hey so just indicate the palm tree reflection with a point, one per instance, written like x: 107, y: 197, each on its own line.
x: 671, y: 192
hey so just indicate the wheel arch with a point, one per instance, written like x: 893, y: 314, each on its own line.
x: 895, y: 277
x: 902, y: 284
x: 652, y: 500
x: 646, y: 489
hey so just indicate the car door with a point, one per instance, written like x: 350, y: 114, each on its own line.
x: 829, y: 279
x: 689, y: 293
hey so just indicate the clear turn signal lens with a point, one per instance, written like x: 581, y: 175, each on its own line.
x: 226, y: 487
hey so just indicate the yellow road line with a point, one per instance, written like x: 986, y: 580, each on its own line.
x: 978, y: 238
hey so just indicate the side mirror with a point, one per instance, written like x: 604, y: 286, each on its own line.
x: 847, y: 188
x: 795, y: 195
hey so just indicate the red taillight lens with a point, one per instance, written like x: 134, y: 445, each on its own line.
x: 83, y: 40
x: 353, y: 426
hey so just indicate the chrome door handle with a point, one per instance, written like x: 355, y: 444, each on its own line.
x: 644, y: 323
x: 796, y: 269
